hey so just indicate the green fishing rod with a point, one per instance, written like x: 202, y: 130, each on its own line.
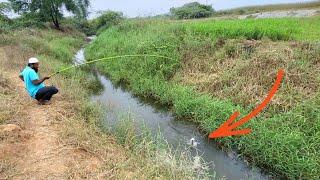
x: 108, y: 58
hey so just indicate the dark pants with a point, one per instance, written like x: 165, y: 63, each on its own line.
x: 46, y: 93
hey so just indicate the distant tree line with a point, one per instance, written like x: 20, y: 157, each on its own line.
x: 104, y: 20
x: 192, y: 10
x: 50, y: 10
x: 37, y: 13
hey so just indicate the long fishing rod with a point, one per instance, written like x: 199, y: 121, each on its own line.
x: 108, y: 58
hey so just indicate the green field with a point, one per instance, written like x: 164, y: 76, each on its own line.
x: 214, y: 73
x: 274, y: 29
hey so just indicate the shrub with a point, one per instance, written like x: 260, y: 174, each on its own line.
x: 86, y: 26
x: 4, y: 8
x: 28, y: 20
x: 108, y: 18
x: 192, y: 10
x: 4, y: 20
x: 24, y: 21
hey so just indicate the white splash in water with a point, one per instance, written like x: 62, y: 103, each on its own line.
x: 192, y: 142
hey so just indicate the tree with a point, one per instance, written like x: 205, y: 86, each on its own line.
x: 108, y: 18
x: 51, y: 10
x: 4, y: 8
x: 192, y: 10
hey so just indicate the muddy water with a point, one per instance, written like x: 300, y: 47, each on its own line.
x: 119, y: 102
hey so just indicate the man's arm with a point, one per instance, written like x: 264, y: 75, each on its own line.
x: 39, y: 81
x: 21, y: 77
x: 35, y: 78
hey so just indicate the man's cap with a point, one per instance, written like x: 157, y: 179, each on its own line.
x: 33, y: 60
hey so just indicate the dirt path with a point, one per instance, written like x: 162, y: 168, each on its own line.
x: 42, y: 155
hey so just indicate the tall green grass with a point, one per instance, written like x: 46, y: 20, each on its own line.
x: 274, y: 29
x: 283, y: 143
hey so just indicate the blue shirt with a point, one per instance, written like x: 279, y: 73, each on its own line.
x: 30, y: 75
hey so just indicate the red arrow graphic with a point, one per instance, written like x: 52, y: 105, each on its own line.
x: 226, y: 129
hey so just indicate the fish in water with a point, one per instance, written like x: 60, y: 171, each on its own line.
x: 193, y: 142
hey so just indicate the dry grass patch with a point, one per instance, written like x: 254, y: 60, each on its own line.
x: 244, y: 71
x: 11, y: 143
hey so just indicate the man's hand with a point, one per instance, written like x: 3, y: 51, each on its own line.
x: 46, y: 77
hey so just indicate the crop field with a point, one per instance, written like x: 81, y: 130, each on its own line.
x: 222, y: 66
x: 274, y: 29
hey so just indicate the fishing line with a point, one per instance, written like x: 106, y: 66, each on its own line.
x: 108, y: 58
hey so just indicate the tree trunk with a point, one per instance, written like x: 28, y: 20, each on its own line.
x: 55, y: 20
x: 56, y: 23
x: 54, y: 13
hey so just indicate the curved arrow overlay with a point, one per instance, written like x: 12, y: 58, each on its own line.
x: 226, y: 129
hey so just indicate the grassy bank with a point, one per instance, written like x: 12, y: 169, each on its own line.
x: 222, y: 66
x: 77, y: 118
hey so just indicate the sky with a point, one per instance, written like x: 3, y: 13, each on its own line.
x: 153, y: 7
x: 134, y: 8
